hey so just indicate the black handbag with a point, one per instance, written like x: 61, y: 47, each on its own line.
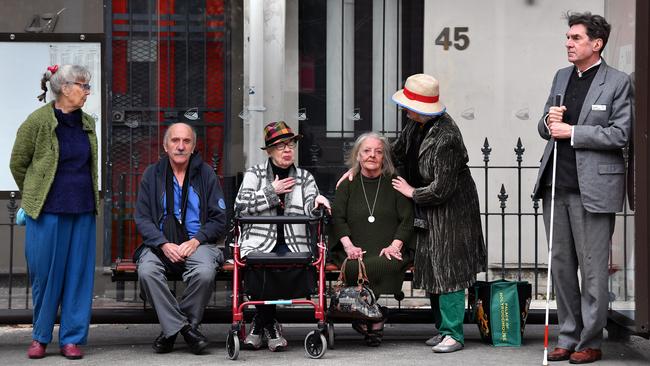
x: 173, y: 229
x: 354, y: 302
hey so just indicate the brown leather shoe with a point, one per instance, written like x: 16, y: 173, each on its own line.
x: 36, y: 350
x: 587, y: 355
x: 559, y: 354
x: 71, y: 352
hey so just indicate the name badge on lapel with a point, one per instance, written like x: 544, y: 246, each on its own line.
x: 598, y: 107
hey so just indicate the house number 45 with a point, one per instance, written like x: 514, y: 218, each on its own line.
x: 461, y: 40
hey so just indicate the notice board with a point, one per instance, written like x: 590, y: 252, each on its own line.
x: 21, y: 68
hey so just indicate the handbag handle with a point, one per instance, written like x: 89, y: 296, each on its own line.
x: 362, y: 277
x: 341, y: 279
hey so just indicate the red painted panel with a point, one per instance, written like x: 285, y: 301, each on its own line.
x: 167, y: 86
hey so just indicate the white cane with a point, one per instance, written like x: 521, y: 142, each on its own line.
x: 558, y: 102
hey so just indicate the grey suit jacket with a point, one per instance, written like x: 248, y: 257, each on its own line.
x: 603, y: 129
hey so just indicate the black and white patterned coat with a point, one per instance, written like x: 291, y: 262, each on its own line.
x: 257, y: 197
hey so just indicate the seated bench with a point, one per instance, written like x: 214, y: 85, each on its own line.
x: 126, y: 270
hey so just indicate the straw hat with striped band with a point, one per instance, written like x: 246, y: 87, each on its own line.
x: 421, y: 94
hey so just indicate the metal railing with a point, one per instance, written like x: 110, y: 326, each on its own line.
x: 493, y: 238
x: 12, y: 209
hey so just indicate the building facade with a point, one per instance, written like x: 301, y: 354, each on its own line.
x: 328, y: 68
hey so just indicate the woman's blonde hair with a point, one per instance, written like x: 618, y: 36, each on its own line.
x: 387, y: 167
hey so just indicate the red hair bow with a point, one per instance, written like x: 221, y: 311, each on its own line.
x: 53, y: 68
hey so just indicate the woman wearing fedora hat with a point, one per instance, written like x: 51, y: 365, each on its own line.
x: 274, y: 188
x: 450, y: 248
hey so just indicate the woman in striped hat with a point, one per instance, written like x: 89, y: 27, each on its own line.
x: 274, y: 188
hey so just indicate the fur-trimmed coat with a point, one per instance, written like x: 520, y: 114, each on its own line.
x: 257, y: 197
x: 450, y: 247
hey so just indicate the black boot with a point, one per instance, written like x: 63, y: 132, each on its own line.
x: 164, y: 344
x: 194, y: 339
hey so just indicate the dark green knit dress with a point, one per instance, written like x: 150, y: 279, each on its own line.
x: 393, y: 220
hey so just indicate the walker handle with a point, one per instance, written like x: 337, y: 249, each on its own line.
x: 278, y: 220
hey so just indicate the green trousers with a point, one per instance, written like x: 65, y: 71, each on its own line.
x: 449, y: 313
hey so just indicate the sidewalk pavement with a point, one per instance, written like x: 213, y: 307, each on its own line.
x: 121, y: 344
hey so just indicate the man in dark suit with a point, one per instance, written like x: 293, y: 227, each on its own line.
x: 591, y: 128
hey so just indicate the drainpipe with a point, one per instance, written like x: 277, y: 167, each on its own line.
x: 256, y: 108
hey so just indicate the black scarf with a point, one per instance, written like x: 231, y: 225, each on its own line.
x: 173, y: 229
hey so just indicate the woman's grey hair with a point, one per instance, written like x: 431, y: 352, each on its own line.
x: 64, y: 74
x: 387, y: 167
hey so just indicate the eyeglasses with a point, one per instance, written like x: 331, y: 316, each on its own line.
x: 281, y: 146
x: 85, y: 87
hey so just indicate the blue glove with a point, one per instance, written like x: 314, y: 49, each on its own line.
x: 20, y: 217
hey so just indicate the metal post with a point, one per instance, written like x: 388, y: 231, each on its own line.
x: 486, y: 150
x: 187, y: 59
x: 121, y: 202
x: 519, y: 151
x: 107, y: 100
x: 626, y: 152
x: 12, y: 208
x: 536, y: 225
x: 133, y: 197
x: 119, y: 286
x: 227, y: 139
x: 503, y: 197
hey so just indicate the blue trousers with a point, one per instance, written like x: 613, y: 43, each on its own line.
x: 60, y: 253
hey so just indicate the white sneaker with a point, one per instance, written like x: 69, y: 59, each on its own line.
x: 255, y: 339
x: 276, y: 341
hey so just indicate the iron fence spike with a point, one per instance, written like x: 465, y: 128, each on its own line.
x: 486, y: 150
x: 519, y: 150
x: 503, y: 196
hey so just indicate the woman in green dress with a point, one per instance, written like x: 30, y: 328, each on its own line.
x: 374, y: 222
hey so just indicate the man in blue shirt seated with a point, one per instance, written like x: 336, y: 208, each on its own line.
x: 182, y: 242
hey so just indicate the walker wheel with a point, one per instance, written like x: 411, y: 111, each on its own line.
x: 232, y: 345
x: 315, y: 344
x: 329, y: 334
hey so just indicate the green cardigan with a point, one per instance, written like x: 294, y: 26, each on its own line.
x: 35, y: 157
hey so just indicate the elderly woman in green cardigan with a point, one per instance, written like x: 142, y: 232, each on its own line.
x: 373, y: 222
x: 54, y: 164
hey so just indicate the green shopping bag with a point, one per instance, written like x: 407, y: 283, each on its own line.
x: 500, y: 309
